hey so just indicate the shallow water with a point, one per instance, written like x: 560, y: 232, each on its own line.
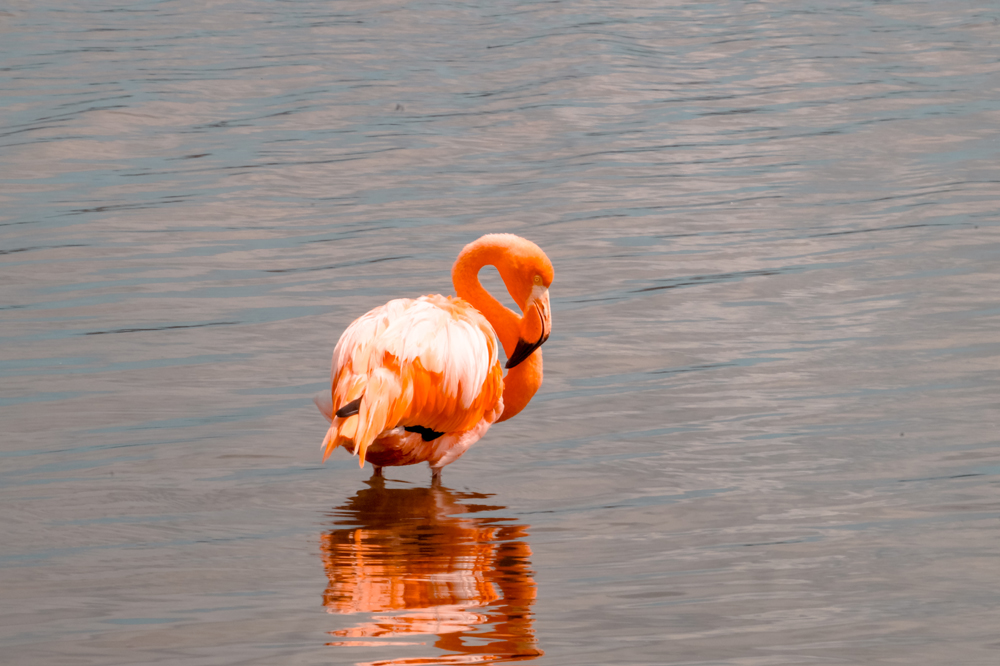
x: 768, y: 432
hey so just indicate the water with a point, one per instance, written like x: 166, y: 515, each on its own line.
x: 768, y: 432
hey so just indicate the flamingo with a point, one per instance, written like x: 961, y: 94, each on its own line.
x: 419, y: 380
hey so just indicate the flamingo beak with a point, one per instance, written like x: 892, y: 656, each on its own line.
x: 535, y: 327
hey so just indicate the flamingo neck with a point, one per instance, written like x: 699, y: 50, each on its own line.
x: 523, y: 380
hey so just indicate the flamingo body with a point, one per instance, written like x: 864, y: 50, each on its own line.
x: 419, y: 380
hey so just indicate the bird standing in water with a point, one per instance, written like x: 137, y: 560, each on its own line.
x: 419, y: 380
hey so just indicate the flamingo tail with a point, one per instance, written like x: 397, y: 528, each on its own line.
x: 374, y: 406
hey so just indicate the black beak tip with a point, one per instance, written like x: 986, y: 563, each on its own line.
x: 522, y: 351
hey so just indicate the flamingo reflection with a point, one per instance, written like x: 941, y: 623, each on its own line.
x: 427, y: 567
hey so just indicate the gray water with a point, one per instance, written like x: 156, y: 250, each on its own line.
x: 768, y: 432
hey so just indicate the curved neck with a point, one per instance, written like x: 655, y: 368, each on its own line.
x: 465, y: 277
x: 523, y: 380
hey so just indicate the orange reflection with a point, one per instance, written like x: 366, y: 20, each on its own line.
x: 417, y: 558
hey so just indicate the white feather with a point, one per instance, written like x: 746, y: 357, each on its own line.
x: 457, y: 348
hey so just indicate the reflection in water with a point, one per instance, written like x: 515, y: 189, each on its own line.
x: 416, y: 557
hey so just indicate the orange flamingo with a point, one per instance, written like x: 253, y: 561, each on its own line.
x: 419, y: 380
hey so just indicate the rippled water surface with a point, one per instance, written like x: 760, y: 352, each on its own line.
x: 768, y: 432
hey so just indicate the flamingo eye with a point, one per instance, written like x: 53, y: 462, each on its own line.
x: 538, y: 279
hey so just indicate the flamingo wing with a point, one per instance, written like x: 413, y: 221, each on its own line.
x: 429, y: 364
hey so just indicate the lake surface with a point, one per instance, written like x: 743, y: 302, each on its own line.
x: 769, y: 432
